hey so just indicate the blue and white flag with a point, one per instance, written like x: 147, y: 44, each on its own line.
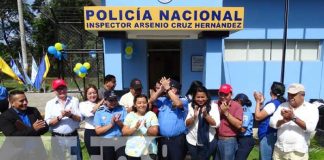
x: 16, y: 70
x: 42, y: 72
x: 33, y: 71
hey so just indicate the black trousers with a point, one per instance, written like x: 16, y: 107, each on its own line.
x: 172, y: 148
x: 245, y: 146
x: 88, y: 133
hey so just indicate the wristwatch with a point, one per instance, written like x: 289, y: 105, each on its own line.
x: 294, y: 119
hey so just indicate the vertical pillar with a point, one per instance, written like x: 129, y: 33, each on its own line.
x: 113, y: 60
x: 212, y: 76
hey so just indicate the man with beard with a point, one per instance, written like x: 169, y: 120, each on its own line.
x: 295, y: 120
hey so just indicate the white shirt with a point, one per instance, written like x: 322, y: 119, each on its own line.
x: 53, y: 109
x: 192, y: 135
x: 86, y: 112
x: 269, y: 108
x: 290, y: 136
x: 127, y: 100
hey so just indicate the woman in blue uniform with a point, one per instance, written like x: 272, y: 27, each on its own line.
x: 245, y: 138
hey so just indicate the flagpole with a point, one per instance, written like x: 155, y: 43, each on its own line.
x: 22, y: 35
x: 283, y: 61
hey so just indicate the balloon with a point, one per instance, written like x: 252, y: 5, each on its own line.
x: 51, y: 50
x: 83, y: 69
x: 78, y: 66
x: 58, y: 46
x: 58, y: 55
x: 82, y: 75
x: 129, y: 50
x: 75, y: 70
x: 86, y: 65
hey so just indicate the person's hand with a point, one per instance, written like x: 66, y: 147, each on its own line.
x: 138, y: 124
x: 224, y: 107
x: 258, y: 96
x: 196, y: 112
x: 165, y: 83
x: 287, y: 114
x: 117, y: 117
x: 204, y: 111
x: 39, y: 124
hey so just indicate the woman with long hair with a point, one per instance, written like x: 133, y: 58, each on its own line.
x: 268, y: 135
x: 245, y: 139
x: 88, y: 108
x: 139, y: 124
x: 202, y: 121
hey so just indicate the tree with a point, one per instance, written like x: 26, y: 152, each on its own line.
x: 9, y: 27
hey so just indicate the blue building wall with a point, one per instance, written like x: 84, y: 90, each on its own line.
x: 263, y: 21
x: 190, y: 48
x: 136, y: 67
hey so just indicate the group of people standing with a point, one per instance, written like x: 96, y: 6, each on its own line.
x: 166, y: 125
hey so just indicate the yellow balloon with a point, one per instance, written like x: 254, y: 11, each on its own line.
x: 58, y: 46
x: 75, y: 69
x: 78, y: 66
x: 129, y: 50
x: 82, y: 75
x: 87, y: 65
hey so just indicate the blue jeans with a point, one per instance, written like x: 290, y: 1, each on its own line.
x: 226, y: 149
x: 267, y: 146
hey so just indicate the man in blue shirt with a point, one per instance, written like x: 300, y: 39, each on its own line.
x: 172, y: 114
x: 20, y: 121
x: 108, y: 121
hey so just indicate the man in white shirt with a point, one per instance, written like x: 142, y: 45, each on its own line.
x: 295, y: 120
x: 127, y: 99
x: 63, y: 117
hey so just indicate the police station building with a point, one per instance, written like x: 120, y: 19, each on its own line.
x: 237, y: 42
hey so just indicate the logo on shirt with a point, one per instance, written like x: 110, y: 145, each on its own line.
x: 164, y: 1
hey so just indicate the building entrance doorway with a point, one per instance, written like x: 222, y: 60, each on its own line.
x: 163, y: 60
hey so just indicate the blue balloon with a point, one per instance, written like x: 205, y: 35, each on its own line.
x: 51, y: 50
x: 58, y: 55
x: 83, y: 69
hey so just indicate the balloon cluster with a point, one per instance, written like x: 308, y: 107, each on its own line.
x: 56, y: 50
x: 81, y: 69
x: 129, y: 50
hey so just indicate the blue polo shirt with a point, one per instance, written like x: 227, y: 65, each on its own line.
x: 247, y: 121
x: 103, y: 117
x: 171, y: 119
x: 24, y: 117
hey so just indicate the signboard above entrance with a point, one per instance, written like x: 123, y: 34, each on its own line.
x: 163, y: 18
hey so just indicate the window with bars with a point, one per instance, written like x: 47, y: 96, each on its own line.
x: 271, y: 50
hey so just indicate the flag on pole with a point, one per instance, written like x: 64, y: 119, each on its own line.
x: 47, y: 64
x: 16, y: 70
x: 33, y: 71
x: 4, y: 67
x: 42, y: 70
